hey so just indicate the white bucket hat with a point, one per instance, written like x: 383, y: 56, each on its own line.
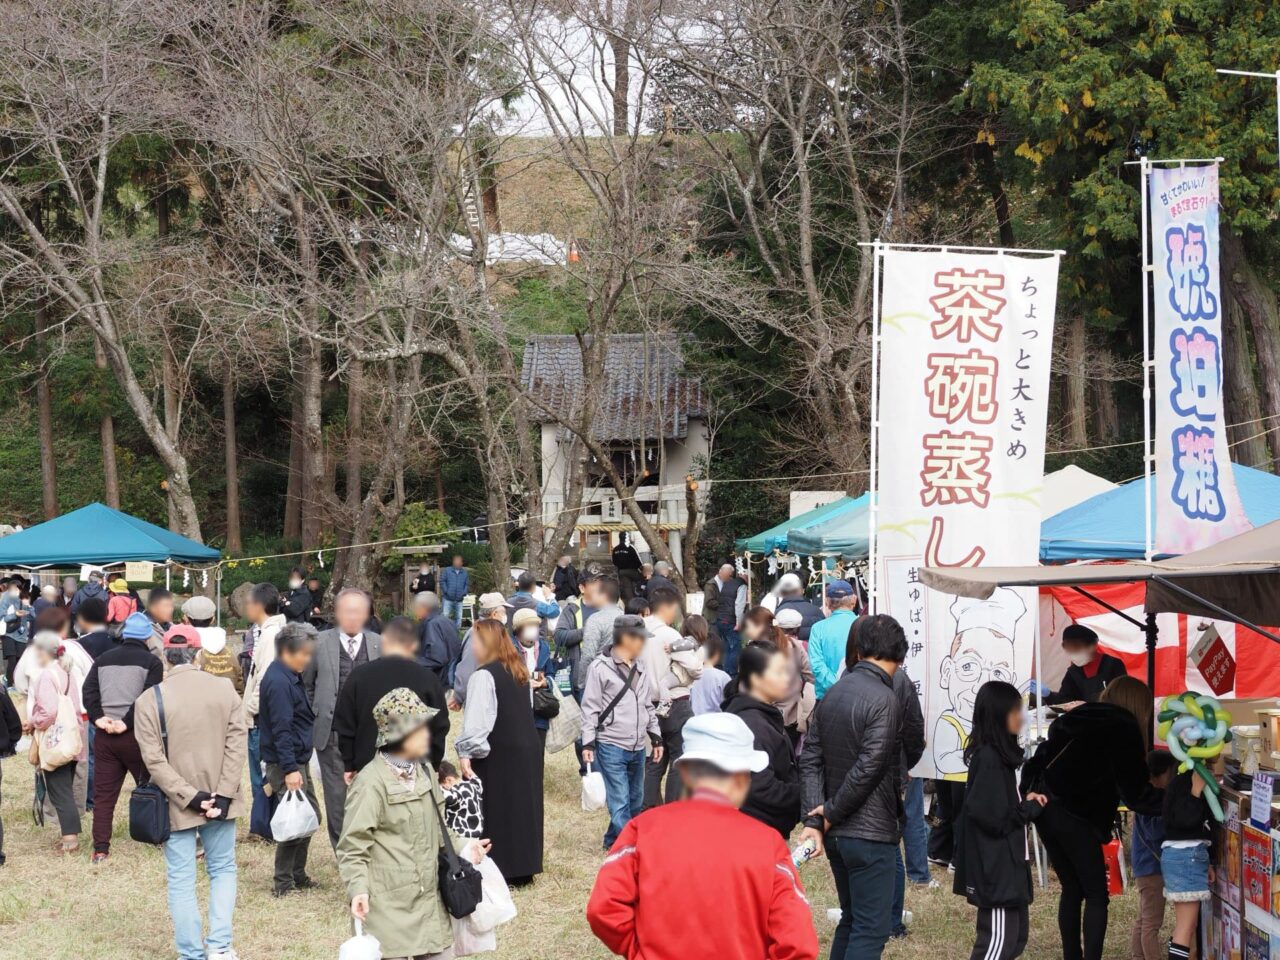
x: 724, y: 741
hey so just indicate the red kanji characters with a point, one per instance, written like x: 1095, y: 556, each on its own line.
x: 969, y: 306
x: 956, y: 468
x: 962, y: 387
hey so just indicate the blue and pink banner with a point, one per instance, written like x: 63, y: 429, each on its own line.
x: 1196, y: 500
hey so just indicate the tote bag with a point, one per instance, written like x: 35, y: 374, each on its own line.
x: 565, y: 726
x: 61, y: 742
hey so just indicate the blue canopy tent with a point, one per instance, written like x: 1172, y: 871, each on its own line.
x: 776, y: 537
x: 99, y: 535
x: 841, y: 534
x: 1109, y: 526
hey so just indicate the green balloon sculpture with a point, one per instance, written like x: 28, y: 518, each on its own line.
x: 1196, y: 728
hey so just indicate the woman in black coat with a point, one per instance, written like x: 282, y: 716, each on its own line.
x: 1095, y: 757
x: 993, y: 871
x: 764, y: 678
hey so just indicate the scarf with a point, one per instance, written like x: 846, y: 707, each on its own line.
x: 406, y: 771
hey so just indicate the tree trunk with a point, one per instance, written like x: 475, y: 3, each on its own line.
x: 990, y: 175
x: 107, y: 437
x: 439, y: 477
x: 44, y: 404
x: 354, y: 433
x: 293, y: 494
x: 1075, y: 411
x: 1256, y: 302
x: 169, y: 376
x: 692, y: 534
x: 499, y: 548
x: 621, y: 82
x: 1106, y: 413
x: 312, y: 435
x: 1241, y: 402
x: 234, y: 544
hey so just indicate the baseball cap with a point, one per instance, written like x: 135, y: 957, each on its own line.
x: 181, y: 635
x: 199, y: 608
x: 724, y: 741
x: 839, y: 589
x: 788, y: 619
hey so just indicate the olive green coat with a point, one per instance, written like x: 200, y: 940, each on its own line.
x: 389, y: 849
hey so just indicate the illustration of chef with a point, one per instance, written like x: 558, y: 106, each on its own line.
x: 982, y: 650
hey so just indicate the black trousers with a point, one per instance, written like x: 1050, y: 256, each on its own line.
x: 60, y: 786
x: 1075, y: 851
x: 1002, y: 933
x: 672, y: 729
x: 948, y: 797
x: 291, y: 857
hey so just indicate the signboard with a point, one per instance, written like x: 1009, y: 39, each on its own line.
x: 139, y: 571
x: 1196, y: 500
x: 1260, y: 800
x: 1214, y: 661
x: 966, y: 341
x: 1255, y: 852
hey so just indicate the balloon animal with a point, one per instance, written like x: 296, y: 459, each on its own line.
x: 1196, y: 728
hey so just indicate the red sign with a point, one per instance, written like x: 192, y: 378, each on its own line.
x: 1214, y: 661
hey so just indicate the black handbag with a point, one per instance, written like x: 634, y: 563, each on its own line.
x: 460, y: 883
x: 148, y: 805
x: 546, y: 705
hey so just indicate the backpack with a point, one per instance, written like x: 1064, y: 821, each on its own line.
x: 120, y: 607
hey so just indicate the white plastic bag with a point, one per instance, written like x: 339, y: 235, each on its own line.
x: 496, y: 907
x: 294, y: 818
x: 593, y: 792
x: 565, y: 726
x: 363, y: 946
x: 467, y: 942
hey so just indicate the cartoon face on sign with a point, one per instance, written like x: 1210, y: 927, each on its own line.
x: 981, y: 651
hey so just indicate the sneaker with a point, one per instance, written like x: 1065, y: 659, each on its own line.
x: 900, y: 934
x: 306, y: 883
x: 224, y: 955
x: 279, y: 892
x: 99, y: 856
x: 930, y: 884
x: 939, y: 862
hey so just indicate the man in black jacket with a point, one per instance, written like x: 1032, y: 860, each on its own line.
x: 850, y: 771
x: 369, y: 682
x: 116, y: 679
x: 791, y: 597
x: 1090, y: 671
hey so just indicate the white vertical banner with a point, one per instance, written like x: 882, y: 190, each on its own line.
x: 1196, y: 500
x: 966, y: 340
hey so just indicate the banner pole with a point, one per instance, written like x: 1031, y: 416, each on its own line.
x: 872, y: 524
x: 1148, y: 446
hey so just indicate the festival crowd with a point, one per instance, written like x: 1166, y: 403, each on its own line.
x: 717, y: 740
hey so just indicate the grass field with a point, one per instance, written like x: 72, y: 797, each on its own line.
x: 59, y: 908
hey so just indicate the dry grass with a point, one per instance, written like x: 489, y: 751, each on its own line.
x: 64, y: 909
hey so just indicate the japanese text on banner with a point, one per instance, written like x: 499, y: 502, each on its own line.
x: 966, y: 342
x: 1196, y: 503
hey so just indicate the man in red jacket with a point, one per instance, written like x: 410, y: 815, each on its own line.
x: 675, y: 865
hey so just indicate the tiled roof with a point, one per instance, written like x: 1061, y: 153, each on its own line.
x: 646, y: 393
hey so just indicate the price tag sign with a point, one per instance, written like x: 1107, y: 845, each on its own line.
x: 1260, y: 802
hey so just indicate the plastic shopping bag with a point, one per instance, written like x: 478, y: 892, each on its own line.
x: 565, y: 726
x: 363, y: 946
x: 497, y: 907
x: 593, y: 793
x: 467, y: 942
x: 294, y: 818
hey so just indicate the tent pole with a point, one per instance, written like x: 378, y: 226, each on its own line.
x: 217, y: 607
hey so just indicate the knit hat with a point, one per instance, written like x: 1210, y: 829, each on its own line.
x: 525, y: 618
x: 398, y: 714
x: 119, y: 586
x: 180, y: 636
x: 199, y: 608
x: 137, y: 626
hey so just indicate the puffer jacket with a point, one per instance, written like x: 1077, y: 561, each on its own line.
x: 851, y: 754
x: 774, y: 798
x: 910, y: 723
x: 633, y: 721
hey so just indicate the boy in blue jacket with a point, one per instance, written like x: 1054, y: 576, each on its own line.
x: 1144, y: 855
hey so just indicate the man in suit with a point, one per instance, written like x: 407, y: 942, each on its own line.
x: 338, y: 652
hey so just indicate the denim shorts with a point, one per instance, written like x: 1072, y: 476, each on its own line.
x: 1186, y: 873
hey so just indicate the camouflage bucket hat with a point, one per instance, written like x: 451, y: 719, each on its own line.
x: 398, y: 714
